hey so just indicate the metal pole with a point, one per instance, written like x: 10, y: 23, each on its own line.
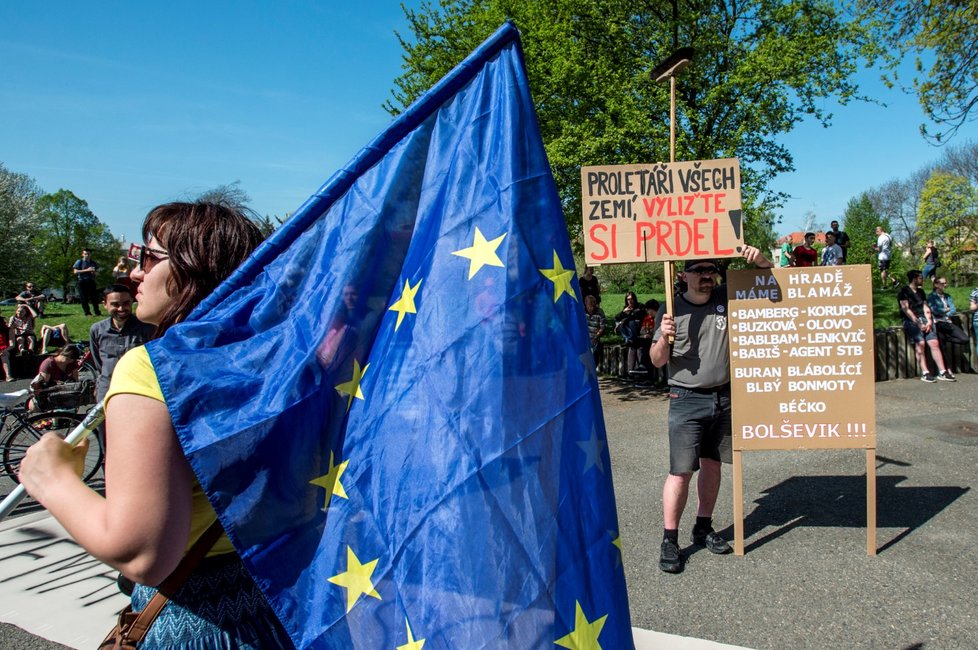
x: 84, y: 429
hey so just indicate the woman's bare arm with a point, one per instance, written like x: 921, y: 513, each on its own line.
x: 142, y: 525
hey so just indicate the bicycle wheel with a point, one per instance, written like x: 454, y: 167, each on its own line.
x: 87, y: 372
x: 62, y: 423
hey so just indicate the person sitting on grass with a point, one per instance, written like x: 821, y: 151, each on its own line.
x: 55, y: 336
x: 22, y: 330
x: 34, y: 299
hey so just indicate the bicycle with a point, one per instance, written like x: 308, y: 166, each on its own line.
x: 19, y: 429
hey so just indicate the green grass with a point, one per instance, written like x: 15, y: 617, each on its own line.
x: 71, y: 315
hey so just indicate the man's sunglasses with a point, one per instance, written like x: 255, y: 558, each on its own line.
x: 704, y: 270
x: 141, y: 254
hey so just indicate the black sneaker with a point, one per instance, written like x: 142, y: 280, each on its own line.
x: 946, y: 376
x: 712, y: 541
x: 929, y: 378
x: 670, y: 560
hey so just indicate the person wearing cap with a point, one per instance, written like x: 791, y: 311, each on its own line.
x: 699, y: 402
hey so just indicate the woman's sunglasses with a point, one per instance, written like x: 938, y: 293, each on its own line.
x: 143, y: 254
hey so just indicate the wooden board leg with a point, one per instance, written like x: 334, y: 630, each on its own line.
x: 871, y: 501
x: 738, y: 503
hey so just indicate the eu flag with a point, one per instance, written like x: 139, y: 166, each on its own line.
x: 392, y: 405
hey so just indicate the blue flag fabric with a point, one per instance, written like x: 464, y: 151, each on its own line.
x: 392, y: 405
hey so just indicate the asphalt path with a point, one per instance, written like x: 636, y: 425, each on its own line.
x: 806, y: 580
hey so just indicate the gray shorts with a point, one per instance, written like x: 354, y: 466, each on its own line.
x: 699, y: 427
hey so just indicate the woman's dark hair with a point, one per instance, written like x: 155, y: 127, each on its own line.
x: 69, y: 352
x: 631, y: 294
x: 205, y: 243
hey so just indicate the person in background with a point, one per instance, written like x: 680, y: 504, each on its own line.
x: 932, y: 261
x: 120, y: 275
x: 111, y: 338
x: 54, y: 370
x: 805, y: 253
x: 841, y: 240
x: 22, y: 330
x: 918, y: 323
x: 589, y: 284
x: 647, y: 331
x: 5, y: 350
x: 36, y: 300
x: 85, y: 270
x: 153, y: 508
x: 832, y: 253
x: 787, y: 253
x: 945, y: 314
x: 973, y: 308
x: 121, y: 269
x: 883, y: 248
x: 628, y: 322
x: 596, y: 323
x: 55, y: 336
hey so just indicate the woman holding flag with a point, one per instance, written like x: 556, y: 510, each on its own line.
x: 154, y: 513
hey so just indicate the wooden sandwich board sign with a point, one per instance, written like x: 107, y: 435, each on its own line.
x: 802, y: 368
x: 662, y: 212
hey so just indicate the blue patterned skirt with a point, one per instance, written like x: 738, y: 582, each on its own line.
x: 218, y: 607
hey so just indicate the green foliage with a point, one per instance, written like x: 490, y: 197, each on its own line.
x: 760, y: 67
x: 949, y: 216
x: 18, y: 194
x: 860, y: 221
x: 943, y: 38
x: 66, y: 226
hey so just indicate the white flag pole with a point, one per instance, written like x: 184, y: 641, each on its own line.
x: 84, y: 429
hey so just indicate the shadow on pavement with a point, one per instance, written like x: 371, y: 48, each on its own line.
x: 632, y: 390
x: 840, y: 501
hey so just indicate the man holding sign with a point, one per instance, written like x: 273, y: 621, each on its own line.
x: 699, y: 402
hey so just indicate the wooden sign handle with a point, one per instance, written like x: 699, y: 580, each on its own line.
x: 670, y: 280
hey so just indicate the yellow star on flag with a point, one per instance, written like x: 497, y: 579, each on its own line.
x: 585, y: 634
x: 352, y: 387
x: 616, y: 542
x: 561, y: 278
x: 356, y: 579
x: 411, y: 644
x: 481, y: 252
x: 405, y: 304
x: 331, y: 480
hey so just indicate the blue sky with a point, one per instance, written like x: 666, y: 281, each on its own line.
x: 132, y: 104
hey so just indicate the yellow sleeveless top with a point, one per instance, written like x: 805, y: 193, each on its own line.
x: 134, y: 374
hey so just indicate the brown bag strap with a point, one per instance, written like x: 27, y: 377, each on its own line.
x: 145, y: 618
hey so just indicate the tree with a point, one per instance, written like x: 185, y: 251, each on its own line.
x: 234, y: 196
x: 962, y: 161
x: 860, y: 221
x: 18, y: 194
x: 898, y: 203
x: 66, y: 225
x: 760, y: 67
x: 948, y: 216
x: 943, y: 38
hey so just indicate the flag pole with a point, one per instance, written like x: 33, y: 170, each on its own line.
x: 668, y: 69
x: 84, y: 429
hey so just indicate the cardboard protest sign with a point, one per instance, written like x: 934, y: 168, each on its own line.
x: 801, y: 358
x: 661, y: 212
